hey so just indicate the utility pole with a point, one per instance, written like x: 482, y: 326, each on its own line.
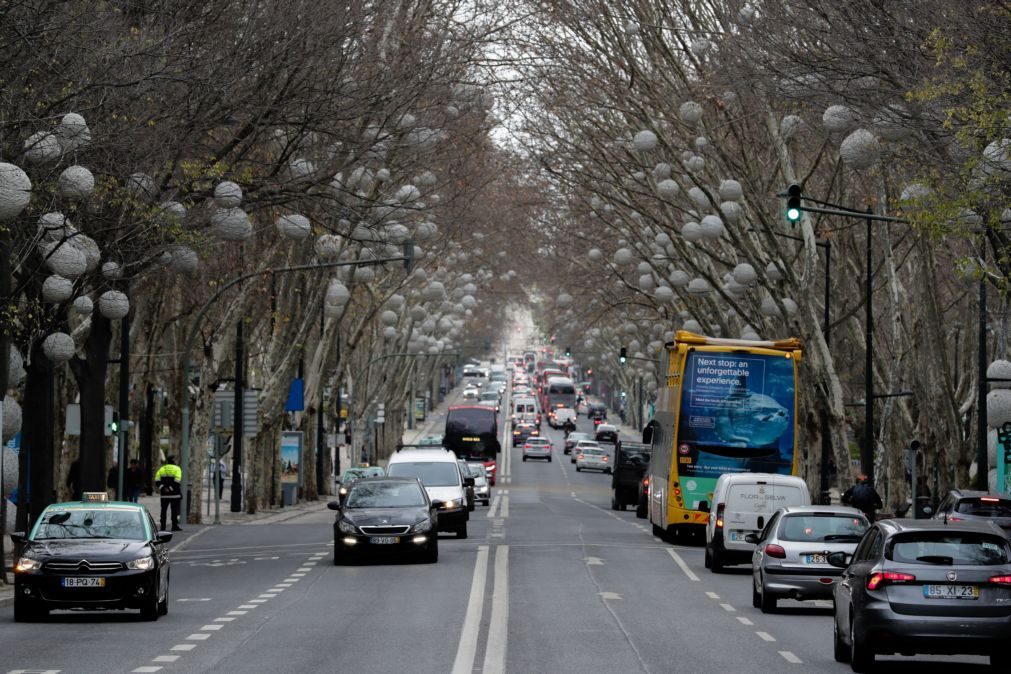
x: 240, y: 356
x: 124, y: 401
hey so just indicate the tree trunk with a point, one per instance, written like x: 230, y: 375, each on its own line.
x: 37, y: 445
x: 90, y: 373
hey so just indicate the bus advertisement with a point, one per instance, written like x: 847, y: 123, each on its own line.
x: 728, y: 406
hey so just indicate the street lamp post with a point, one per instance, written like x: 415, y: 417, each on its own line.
x: 192, y: 336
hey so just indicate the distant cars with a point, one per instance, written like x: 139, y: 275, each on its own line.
x: 588, y: 458
x: 606, y: 433
x: 537, y: 448
x: 963, y: 505
x: 471, y: 392
x: 522, y: 431
x: 790, y: 559
x: 573, y: 438
x: 597, y: 412
x: 924, y: 586
x: 388, y: 515
x: 352, y: 475
x: 630, y: 462
x: 431, y: 441
x: 482, y: 489
x: 92, y: 555
x: 579, y: 446
x: 558, y: 417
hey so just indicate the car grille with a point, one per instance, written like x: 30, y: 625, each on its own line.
x: 84, y: 566
x: 384, y: 530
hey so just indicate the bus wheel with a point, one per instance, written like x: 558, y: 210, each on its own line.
x: 658, y: 532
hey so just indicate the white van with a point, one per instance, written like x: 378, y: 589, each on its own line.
x: 742, y: 504
x: 524, y: 407
x: 440, y: 474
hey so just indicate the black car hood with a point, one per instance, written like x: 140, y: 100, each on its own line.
x: 94, y: 550
x: 378, y: 517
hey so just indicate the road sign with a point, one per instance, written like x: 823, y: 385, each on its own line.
x: 72, y: 420
x: 381, y: 413
x: 224, y: 415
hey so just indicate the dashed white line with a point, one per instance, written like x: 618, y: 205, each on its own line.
x: 712, y: 595
x: 199, y: 637
x: 147, y: 668
x: 225, y: 619
x: 183, y: 647
x: 744, y: 621
x: 684, y: 567
x: 257, y: 601
x: 237, y: 613
x: 166, y: 658
x: 765, y: 636
x: 791, y: 658
x: 247, y: 606
x: 728, y: 608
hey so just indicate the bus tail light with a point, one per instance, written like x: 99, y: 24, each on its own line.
x: 719, y: 515
x: 876, y: 580
x: 777, y: 551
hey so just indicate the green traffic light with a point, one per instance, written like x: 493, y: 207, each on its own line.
x: 793, y: 214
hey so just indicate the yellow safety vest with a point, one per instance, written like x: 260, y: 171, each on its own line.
x: 169, y: 470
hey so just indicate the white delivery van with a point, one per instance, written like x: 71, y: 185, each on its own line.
x: 524, y: 407
x: 440, y: 474
x: 742, y: 504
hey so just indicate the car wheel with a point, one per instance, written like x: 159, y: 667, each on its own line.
x: 658, y: 532
x: 487, y: 501
x: 27, y: 613
x: 163, y: 604
x: 431, y: 555
x: 149, y: 610
x: 708, y: 562
x: 549, y: 459
x: 607, y: 471
x: 715, y: 563
x: 861, y: 655
x: 839, y: 648
x: 524, y: 457
x: 756, y: 599
x: 572, y: 460
x: 640, y: 511
x: 578, y: 469
x: 461, y: 531
x: 769, y: 600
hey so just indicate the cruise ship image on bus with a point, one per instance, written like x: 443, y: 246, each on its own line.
x: 728, y: 405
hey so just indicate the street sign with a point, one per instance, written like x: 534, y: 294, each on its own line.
x: 381, y: 413
x: 224, y: 415
x: 72, y: 420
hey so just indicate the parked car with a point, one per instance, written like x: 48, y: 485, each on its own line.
x: 743, y: 503
x: 963, y: 505
x: 537, y: 448
x: 791, y: 554
x: 589, y: 458
x: 924, y: 586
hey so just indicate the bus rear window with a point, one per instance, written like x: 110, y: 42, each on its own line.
x: 472, y: 421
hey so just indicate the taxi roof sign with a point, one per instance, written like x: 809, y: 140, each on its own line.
x: 94, y: 496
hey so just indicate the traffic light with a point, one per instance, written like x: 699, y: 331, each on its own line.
x: 114, y: 424
x: 793, y: 203
x: 623, y: 355
x: 568, y: 352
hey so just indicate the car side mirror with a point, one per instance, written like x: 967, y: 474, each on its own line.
x: 19, y: 537
x: 468, y: 482
x: 752, y: 538
x: 437, y: 504
x: 334, y: 505
x: 839, y: 559
x: 163, y: 536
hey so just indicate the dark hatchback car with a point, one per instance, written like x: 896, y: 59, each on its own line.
x: 923, y: 586
x: 962, y: 505
x: 522, y: 431
x: 386, y: 515
x: 95, y: 556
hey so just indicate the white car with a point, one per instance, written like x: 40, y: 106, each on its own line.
x: 471, y: 392
x: 588, y: 458
x: 537, y: 448
x: 581, y: 445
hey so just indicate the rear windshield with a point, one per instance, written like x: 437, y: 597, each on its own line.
x: 591, y: 451
x: 636, y: 456
x: 949, y: 549
x: 844, y: 528
x: 984, y: 508
x: 525, y: 408
x: 762, y: 498
x: 538, y: 441
x: 441, y: 474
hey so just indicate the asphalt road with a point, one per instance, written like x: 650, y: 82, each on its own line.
x: 550, y: 580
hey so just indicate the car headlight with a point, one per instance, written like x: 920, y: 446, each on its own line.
x: 27, y: 564
x: 454, y: 503
x: 422, y: 526
x: 347, y: 528
x: 142, y: 564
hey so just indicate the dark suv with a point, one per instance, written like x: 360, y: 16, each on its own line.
x: 968, y: 506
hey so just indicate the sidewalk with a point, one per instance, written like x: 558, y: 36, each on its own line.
x: 265, y: 516
x: 435, y: 422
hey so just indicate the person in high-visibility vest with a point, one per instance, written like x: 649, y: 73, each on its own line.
x: 169, y: 480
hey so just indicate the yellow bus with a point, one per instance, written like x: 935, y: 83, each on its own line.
x: 728, y: 405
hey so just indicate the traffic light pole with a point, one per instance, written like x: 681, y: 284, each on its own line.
x: 123, y: 432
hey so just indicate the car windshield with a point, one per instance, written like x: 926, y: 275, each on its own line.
x: 985, y: 507
x: 948, y: 549
x: 431, y: 474
x: 385, y: 495
x: 122, y: 523
x: 840, y: 527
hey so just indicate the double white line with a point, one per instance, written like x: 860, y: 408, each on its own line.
x: 498, y: 627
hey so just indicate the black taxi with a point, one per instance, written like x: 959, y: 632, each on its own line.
x: 93, y: 555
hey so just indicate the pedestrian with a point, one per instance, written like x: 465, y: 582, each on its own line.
x: 74, y: 480
x: 112, y: 481
x: 133, y: 481
x: 169, y: 479
x: 863, y: 497
x: 222, y: 469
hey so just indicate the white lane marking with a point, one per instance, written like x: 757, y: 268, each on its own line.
x: 744, y: 621
x: 684, y: 567
x: 183, y: 647
x: 194, y: 599
x: 593, y: 561
x: 295, y: 575
x: 226, y: 619
x: 237, y: 613
x: 765, y: 636
x: 166, y: 658
x: 34, y: 671
x: 492, y: 511
x: 148, y: 668
x: 247, y: 606
x: 267, y: 595
x: 304, y: 569
x: 505, y: 506
x: 712, y: 595
x: 609, y: 595
x: 211, y: 628
x: 258, y: 559
x: 498, y: 625
x: 198, y: 637
x: 257, y: 601
x: 728, y: 608
x: 790, y: 657
x: 467, y: 649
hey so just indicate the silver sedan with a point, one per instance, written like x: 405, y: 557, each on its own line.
x: 791, y: 554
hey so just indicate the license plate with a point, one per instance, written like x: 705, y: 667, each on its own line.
x: 951, y: 591
x: 735, y: 536
x: 815, y: 559
x: 82, y: 582
x: 383, y: 540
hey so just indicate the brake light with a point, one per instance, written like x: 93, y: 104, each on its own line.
x: 719, y: 515
x: 952, y: 518
x: 604, y: 459
x: 777, y: 551
x: 645, y: 481
x: 580, y: 456
x: 876, y: 580
x: 989, y: 499
x: 1000, y: 580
